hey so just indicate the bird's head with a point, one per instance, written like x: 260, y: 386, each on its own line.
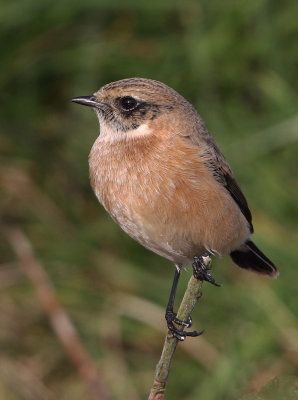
x: 136, y: 107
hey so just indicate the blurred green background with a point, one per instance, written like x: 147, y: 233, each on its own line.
x: 237, y: 62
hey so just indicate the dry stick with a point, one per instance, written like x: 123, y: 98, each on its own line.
x: 59, y: 319
x: 191, y: 296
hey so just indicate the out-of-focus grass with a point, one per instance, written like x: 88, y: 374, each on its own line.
x: 237, y: 63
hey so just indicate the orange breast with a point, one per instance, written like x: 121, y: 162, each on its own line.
x: 162, y: 194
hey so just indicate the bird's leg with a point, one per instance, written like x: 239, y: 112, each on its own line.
x: 171, y: 315
x: 201, y: 269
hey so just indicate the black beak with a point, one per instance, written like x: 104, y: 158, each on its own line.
x: 89, y: 101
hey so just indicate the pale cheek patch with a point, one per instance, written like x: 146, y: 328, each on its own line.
x: 142, y: 130
x: 107, y: 134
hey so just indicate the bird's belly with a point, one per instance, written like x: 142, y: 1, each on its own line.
x: 161, y: 236
x: 177, y: 212
x: 178, y: 227
x: 139, y: 218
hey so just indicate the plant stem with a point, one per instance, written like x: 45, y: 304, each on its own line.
x: 190, y: 298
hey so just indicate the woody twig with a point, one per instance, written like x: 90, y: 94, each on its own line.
x: 191, y: 296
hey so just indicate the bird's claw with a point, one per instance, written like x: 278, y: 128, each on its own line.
x: 181, y: 335
x: 171, y: 317
x: 178, y: 333
x: 201, y: 268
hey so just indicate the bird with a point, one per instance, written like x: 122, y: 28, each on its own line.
x: 162, y: 178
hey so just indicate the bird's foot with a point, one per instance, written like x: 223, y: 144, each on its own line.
x: 179, y: 333
x: 201, y: 269
x: 171, y: 317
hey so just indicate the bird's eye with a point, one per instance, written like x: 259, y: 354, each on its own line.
x: 128, y: 103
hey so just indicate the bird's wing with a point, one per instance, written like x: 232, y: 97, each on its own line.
x: 228, y: 180
x: 220, y: 169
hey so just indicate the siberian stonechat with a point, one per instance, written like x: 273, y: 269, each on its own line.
x: 161, y: 176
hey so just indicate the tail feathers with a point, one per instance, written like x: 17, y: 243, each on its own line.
x: 250, y: 257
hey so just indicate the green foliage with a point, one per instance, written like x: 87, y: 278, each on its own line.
x: 237, y: 63
x: 276, y: 390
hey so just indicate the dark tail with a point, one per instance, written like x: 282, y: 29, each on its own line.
x: 250, y: 257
